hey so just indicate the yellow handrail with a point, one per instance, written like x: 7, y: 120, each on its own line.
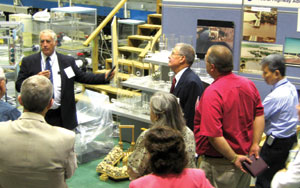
x: 151, y: 44
x: 158, y: 6
x: 104, y: 22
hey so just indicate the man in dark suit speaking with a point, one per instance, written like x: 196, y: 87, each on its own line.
x: 186, y: 85
x: 62, y: 72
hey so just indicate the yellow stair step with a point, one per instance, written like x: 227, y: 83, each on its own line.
x: 122, y: 76
x: 129, y: 62
x: 109, y: 89
x: 149, y: 26
x: 130, y: 49
x: 140, y: 37
x: 155, y: 15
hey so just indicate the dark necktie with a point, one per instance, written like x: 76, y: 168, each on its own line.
x: 48, y: 67
x: 173, y: 85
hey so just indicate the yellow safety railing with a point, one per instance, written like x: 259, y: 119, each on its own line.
x: 104, y: 23
x: 94, y: 35
x: 158, y: 6
x: 150, y: 45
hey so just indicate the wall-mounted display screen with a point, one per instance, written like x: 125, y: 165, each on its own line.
x: 213, y: 32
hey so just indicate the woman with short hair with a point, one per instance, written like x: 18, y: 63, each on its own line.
x: 167, y: 160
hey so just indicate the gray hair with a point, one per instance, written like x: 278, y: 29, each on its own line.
x: 188, y: 51
x: 274, y: 62
x: 166, y: 108
x: 49, y: 31
x: 2, y: 74
x: 36, y: 93
x: 221, y: 57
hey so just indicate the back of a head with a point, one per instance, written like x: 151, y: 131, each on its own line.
x: 274, y: 62
x: 188, y: 51
x: 166, y: 108
x: 36, y: 93
x: 221, y: 57
x: 167, y: 150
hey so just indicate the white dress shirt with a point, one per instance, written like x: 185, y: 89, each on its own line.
x: 56, y: 78
x: 179, y: 74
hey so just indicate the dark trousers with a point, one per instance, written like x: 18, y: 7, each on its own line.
x: 275, y: 156
x: 53, y: 117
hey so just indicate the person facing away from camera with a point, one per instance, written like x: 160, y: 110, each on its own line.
x: 167, y: 160
x: 229, y: 122
x: 164, y: 111
x: 33, y: 153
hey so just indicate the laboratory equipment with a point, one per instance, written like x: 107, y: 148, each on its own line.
x: 26, y: 20
x: 72, y: 26
x: 11, y: 43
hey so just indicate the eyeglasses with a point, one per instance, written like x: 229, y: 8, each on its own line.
x: 174, y: 54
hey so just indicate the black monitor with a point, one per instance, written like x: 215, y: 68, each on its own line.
x: 213, y: 32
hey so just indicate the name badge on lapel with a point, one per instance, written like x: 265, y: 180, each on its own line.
x: 178, y: 100
x: 69, y: 72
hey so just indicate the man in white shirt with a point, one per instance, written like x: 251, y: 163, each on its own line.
x: 63, y: 72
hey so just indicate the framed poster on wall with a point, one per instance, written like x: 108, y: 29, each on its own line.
x: 292, y: 51
x: 252, y: 54
x: 259, y: 24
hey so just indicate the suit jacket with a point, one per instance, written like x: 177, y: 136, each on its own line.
x: 35, y: 154
x: 188, y: 89
x: 31, y: 65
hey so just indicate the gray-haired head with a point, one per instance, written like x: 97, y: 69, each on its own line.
x: 274, y: 62
x: 36, y: 93
x: 167, y: 111
x: 49, y: 31
x: 221, y: 57
x: 188, y: 51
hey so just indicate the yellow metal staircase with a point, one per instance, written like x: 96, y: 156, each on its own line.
x: 131, y: 55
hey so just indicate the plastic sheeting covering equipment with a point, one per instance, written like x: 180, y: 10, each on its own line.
x: 95, y: 127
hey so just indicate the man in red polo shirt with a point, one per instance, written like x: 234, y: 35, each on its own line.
x: 229, y: 122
